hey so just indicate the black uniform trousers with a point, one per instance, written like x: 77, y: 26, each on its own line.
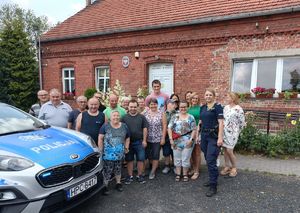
x: 211, y: 152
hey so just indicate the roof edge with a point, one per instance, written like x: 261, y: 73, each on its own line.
x: 182, y: 23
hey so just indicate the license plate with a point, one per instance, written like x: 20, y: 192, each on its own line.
x: 81, y: 187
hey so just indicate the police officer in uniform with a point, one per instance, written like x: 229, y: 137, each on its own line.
x: 211, y: 119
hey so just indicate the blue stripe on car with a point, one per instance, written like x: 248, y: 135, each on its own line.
x: 48, y: 147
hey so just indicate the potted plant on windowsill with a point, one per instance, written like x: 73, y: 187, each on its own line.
x: 287, y: 95
x: 261, y: 92
x: 244, y: 96
x: 68, y: 96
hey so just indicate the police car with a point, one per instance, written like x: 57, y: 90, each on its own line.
x: 44, y: 168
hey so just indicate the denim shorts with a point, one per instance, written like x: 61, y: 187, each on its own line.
x: 136, y: 148
x: 167, y: 149
x: 153, y: 151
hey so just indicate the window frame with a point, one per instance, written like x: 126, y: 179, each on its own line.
x: 254, y: 72
x: 68, y: 78
x: 97, y: 77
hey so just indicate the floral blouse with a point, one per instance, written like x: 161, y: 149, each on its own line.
x: 155, y: 127
x: 234, y: 121
x: 182, y: 127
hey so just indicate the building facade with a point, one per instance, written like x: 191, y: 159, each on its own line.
x: 229, y: 47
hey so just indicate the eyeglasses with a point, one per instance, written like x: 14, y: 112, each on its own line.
x: 82, y: 102
x: 43, y: 95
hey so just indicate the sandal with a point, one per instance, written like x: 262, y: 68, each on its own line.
x: 185, y: 178
x: 195, y: 176
x: 225, y: 171
x: 233, y: 172
x: 191, y: 173
x: 177, y: 178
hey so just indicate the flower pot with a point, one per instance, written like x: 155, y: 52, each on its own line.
x: 294, y: 95
x: 262, y: 96
x: 244, y: 96
x: 282, y: 95
x: 69, y: 97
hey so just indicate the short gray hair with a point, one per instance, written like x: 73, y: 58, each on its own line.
x: 125, y: 98
x: 113, y: 111
x: 54, y: 91
x: 81, y: 97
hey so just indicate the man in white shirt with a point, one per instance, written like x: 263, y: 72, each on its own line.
x: 55, y: 112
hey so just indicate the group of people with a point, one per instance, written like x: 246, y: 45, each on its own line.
x: 138, y: 130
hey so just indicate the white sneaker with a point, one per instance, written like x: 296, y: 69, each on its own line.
x: 166, y: 170
x: 151, y: 176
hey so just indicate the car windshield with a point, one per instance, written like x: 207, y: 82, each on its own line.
x: 13, y: 120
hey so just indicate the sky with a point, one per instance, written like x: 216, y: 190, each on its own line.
x: 55, y: 10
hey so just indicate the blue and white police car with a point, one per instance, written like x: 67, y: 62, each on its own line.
x: 44, y: 168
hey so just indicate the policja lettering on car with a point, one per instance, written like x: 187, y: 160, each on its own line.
x: 54, y: 145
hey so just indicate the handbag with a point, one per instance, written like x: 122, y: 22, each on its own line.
x: 175, y: 135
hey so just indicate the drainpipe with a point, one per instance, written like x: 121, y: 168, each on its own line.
x: 40, y: 64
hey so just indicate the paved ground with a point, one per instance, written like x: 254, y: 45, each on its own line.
x: 263, y: 164
x: 248, y: 192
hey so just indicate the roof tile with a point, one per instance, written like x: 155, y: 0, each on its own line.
x: 114, y: 15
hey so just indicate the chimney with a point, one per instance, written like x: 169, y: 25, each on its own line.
x: 88, y: 2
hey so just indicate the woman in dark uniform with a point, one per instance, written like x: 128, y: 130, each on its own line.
x: 211, y: 119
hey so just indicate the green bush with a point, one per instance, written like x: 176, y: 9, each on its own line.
x: 291, y: 138
x: 276, y: 146
x: 247, y: 136
x: 89, y: 92
x: 286, y: 142
x: 260, y: 143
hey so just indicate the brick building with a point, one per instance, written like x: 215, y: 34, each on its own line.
x: 187, y: 44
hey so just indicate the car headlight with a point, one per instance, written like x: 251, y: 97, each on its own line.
x: 10, y: 163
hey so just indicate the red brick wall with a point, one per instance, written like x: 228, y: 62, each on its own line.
x: 200, y: 55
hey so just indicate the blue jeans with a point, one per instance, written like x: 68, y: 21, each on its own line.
x: 211, y: 152
x: 136, y: 148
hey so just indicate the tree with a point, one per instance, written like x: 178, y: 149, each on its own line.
x: 19, y: 30
x: 34, y: 26
x: 3, y: 79
x: 19, y: 67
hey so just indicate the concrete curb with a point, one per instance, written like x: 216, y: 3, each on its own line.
x: 263, y: 164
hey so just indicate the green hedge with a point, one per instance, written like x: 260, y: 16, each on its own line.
x: 89, y: 92
x: 286, y: 142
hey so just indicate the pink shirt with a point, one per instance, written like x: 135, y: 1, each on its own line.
x: 162, y: 99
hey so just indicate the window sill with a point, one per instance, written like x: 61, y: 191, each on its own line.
x: 274, y: 97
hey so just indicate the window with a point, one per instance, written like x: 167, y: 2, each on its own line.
x: 291, y: 74
x: 102, y: 78
x: 241, y: 75
x: 266, y: 73
x: 279, y: 73
x: 68, y: 80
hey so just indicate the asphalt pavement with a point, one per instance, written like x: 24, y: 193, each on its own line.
x: 250, y: 191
